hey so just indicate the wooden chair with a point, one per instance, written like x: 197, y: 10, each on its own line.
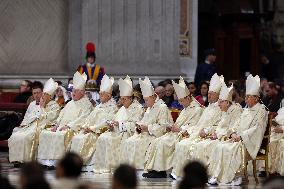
x: 263, y: 151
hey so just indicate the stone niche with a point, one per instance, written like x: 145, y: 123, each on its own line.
x: 43, y: 38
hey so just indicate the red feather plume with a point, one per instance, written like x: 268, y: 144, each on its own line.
x: 90, y: 47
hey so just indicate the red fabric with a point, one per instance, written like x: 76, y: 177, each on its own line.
x: 3, y: 143
x: 200, y: 100
x: 7, y: 104
x: 175, y: 114
x: 8, y: 96
x: 13, y: 106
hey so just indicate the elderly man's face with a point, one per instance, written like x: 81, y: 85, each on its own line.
x: 213, y: 97
x: 185, y: 102
x: 105, y: 97
x: 160, y: 91
x: 150, y: 101
x: 77, y: 94
x: 251, y: 100
x: 126, y: 101
x: 24, y: 87
x: 224, y: 105
x: 46, y: 97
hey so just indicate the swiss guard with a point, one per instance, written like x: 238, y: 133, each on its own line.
x: 93, y: 71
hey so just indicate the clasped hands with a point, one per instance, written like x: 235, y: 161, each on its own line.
x: 140, y: 128
x: 175, y: 129
x: 235, y: 137
x: 112, y: 124
x: 55, y: 127
x: 204, y: 134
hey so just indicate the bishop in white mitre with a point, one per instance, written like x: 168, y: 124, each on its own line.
x: 208, y: 120
x: 84, y: 143
x: 160, y: 153
x: 276, y: 145
x: 228, y: 159
x: 121, y: 127
x: 23, y: 143
x: 55, y: 141
x: 230, y: 114
x: 153, y: 125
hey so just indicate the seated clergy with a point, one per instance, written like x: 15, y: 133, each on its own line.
x: 228, y: 158
x: 209, y: 118
x: 84, y: 143
x: 276, y: 144
x: 54, y: 141
x: 230, y: 114
x: 153, y: 124
x: 106, y: 156
x: 160, y: 153
x: 23, y: 142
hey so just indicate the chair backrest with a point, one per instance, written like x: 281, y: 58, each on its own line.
x: 175, y: 113
x: 266, y: 138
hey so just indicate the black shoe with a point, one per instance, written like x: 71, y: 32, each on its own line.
x: 17, y: 165
x: 145, y: 175
x: 50, y: 168
x: 157, y: 174
x: 262, y: 174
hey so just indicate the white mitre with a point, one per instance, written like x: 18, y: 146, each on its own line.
x: 146, y: 87
x: 216, y: 83
x: 252, y: 85
x: 50, y: 87
x: 79, y: 81
x: 181, y: 89
x: 226, y: 93
x: 125, y: 86
x: 106, y: 84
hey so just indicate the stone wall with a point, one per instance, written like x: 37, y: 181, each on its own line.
x: 43, y: 38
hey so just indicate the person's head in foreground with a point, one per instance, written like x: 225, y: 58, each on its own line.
x: 195, y: 176
x: 70, y: 166
x: 124, y: 177
x: 276, y: 182
x: 32, y: 176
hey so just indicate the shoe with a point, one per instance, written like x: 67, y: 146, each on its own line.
x: 163, y: 174
x: 17, y: 165
x: 262, y: 174
x: 145, y: 175
x: 212, y: 181
x: 50, y: 168
x: 156, y: 174
x: 237, y: 181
